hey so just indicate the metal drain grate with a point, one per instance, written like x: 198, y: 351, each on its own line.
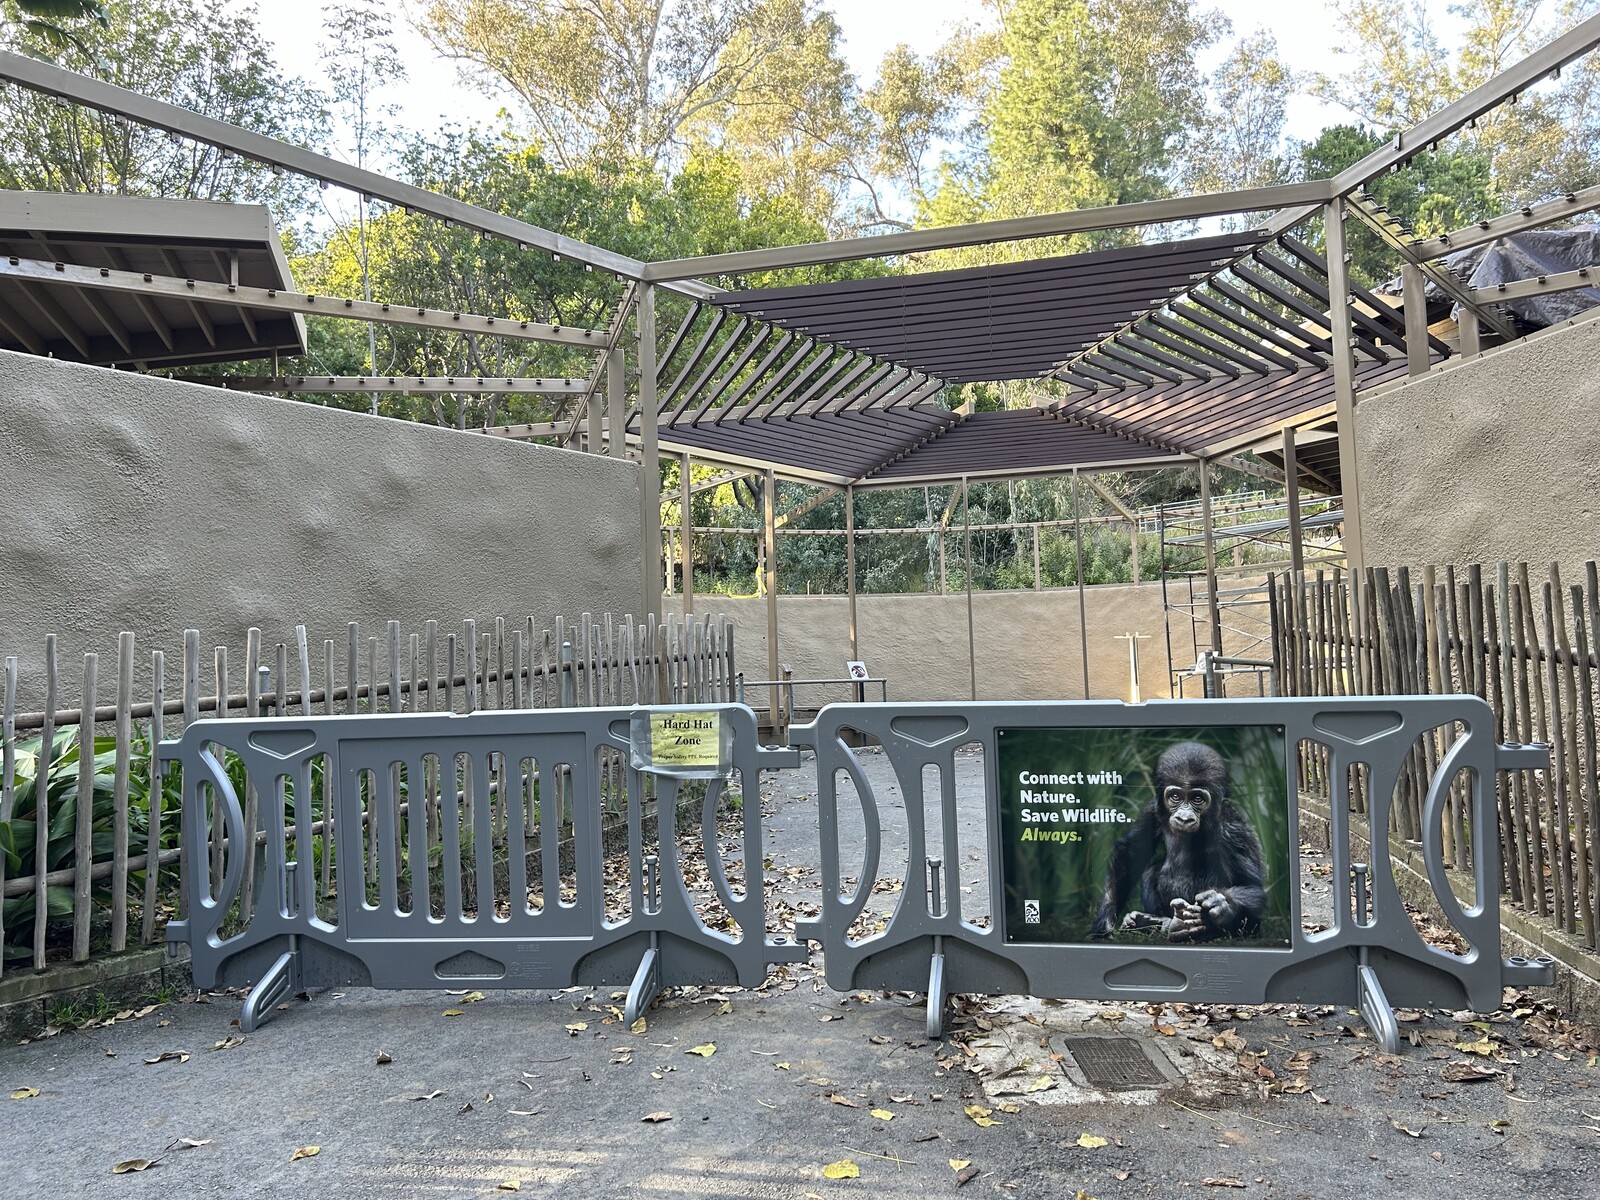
x: 1114, y: 1062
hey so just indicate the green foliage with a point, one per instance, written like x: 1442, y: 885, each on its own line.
x: 58, y: 776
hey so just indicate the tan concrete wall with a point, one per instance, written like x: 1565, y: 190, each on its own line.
x: 1026, y: 644
x: 1489, y: 460
x: 153, y: 506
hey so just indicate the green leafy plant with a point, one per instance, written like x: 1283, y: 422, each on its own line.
x: 57, y: 774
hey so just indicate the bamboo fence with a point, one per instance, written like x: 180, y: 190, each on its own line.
x: 1525, y: 644
x: 590, y: 662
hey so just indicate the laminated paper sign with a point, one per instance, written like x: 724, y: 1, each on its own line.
x: 684, y: 743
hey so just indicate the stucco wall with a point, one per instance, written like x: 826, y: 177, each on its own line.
x: 1026, y: 644
x: 1493, y: 459
x: 144, y: 504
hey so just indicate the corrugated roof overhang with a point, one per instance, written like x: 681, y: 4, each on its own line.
x: 1011, y: 321
x: 174, y: 239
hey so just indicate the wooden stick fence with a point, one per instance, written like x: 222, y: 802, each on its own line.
x: 1528, y: 648
x: 128, y: 827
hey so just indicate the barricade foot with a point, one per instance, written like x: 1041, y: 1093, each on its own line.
x: 282, y: 979
x: 646, y: 985
x: 1376, y: 1010
x: 936, y: 995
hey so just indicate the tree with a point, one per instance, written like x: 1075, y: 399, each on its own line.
x: 618, y: 80
x: 44, y: 19
x: 1546, y: 142
x: 1239, y: 141
x: 1091, y: 101
x: 190, y: 52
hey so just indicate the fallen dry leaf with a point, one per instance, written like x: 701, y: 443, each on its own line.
x: 577, y: 1027
x: 966, y: 1175
x: 1041, y: 1084
x: 843, y: 1169
x: 1226, y: 1181
x: 227, y: 1043
x: 453, y: 1012
x: 383, y: 1058
x: 883, y: 1114
x: 509, y: 1185
x: 434, y: 1095
x: 26, y: 1093
x: 305, y: 1152
x: 1466, y: 1071
x: 705, y: 1051
x: 656, y: 1118
x: 191, y: 1143
x: 170, y: 1055
x: 1406, y: 1129
x: 473, y: 998
x: 1090, y: 1141
x: 960, y: 1164
x: 134, y: 1164
x: 835, y: 1098
x: 980, y: 1115
x: 639, y: 1026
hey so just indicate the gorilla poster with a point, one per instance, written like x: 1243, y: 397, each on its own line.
x: 1146, y: 836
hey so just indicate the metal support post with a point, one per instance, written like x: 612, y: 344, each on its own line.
x: 1344, y: 385
x: 1291, y: 489
x: 649, y: 458
x: 1416, y: 309
x: 1207, y: 519
x: 616, y: 396
x: 769, y: 544
x: 972, y: 636
x: 850, y: 566
x: 1083, y: 607
x: 686, y: 535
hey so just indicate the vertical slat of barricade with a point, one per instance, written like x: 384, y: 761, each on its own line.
x: 384, y: 814
x: 516, y: 833
x: 83, y: 848
x: 330, y: 819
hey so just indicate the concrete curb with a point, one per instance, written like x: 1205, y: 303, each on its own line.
x: 27, y: 998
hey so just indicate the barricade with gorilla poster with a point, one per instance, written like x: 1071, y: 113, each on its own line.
x: 1134, y: 853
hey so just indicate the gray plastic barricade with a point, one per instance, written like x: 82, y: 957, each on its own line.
x: 367, y: 863
x: 1046, y: 893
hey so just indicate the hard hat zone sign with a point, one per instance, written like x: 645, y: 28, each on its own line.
x: 1162, y: 836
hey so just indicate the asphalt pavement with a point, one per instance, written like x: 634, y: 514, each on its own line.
x: 792, y: 1090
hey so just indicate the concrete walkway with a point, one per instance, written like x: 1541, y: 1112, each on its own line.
x: 764, y: 1089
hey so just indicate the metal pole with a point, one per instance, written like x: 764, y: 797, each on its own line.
x: 769, y: 544
x: 1291, y: 487
x: 972, y: 639
x: 1416, y: 310
x: 1344, y: 386
x: 1214, y: 612
x: 649, y: 458
x: 850, y: 565
x: 616, y: 394
x: 1038, y: 575
x: 1471, y: 347
x: 1083, y: 608
x: 686, y: 535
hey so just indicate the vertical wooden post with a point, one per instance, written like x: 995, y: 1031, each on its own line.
x: 1344, y: 384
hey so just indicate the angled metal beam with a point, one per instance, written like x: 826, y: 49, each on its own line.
x: 399, y: 384
x: 79, y: 89
x: 57, y: 316
x: 680, y: 335
x: 901, y: 378
x: 849, y: 360
x: 159, y: 323
x: 811, y: 505
x: 732, y: 373
x: 1442, y: 278
x: 914, y: 397
x: 1240, y: 327
x: 1289, y: 333
x: 202, y: 318
x: 1115, y: 366
x: 830, y: 393
x: 97, y: 303
x: 757, y: 373
x: 1149, y: 333
x: 812, y: 367
x: 723, y: 352
x: 20, y: 328
x: 192, y: 290
x: 1103, y: 376
x: 1309, y: 311
x: 1566, y: 281
x: 1386, y: 313
x: 602, y: 366
x: 1086, y: 220
x: 1523, y: 219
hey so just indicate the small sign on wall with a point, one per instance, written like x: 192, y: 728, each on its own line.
x: 857, y: 670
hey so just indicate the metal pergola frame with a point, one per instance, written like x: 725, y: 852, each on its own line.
x: 1216, y: 330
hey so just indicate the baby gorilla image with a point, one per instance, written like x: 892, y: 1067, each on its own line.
x: 1197, y: 861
